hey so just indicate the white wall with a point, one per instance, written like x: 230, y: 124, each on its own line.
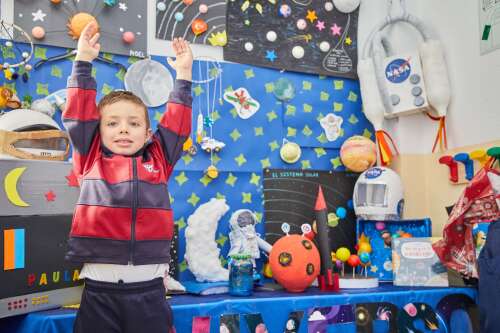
x: 474, y: 114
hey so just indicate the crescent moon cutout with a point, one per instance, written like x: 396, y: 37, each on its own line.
x: 10, y: 187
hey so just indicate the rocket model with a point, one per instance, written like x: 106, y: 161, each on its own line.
x: 327, y: 280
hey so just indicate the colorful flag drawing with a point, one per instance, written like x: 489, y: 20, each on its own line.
x: 13, y: 249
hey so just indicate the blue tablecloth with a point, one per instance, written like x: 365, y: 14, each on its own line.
x: 274, y: 307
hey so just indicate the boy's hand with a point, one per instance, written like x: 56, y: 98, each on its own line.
x: 183, y: 62
x: 88, y: 47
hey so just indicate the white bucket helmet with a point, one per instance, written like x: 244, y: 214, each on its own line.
x: 378, y: 195
x: 28, y: 134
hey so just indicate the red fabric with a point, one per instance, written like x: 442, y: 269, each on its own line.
x: 80, y: 105
x: 102, y: 222
x: 476, y: 204
x: 153, y: 224
x: 177, y: 118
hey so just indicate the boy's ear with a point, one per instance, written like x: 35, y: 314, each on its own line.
x: 149, y: 134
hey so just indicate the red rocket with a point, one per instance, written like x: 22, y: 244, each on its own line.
x: 327, y: 280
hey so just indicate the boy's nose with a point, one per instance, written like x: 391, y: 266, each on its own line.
x: 124, y: 129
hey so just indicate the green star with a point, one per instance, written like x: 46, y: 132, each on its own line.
x: 215, y: 159
x: 8, y: 52
x: 42, y: 89
x: 306, y: 164
x: 56, y: 71
x: 353, y: 97
x: 231, y: 179
x: 198, y: 90
x: 158, y: 116
x: 214, y: 72
x: 187, y: 159
x: 233, y: 112
x: 336, y: 162
x: 215, y: 115
x: 220, y: 196
x: 306, y: 85
x: 181, y: 223
x: 40, y: 52
x: 106, y: 89
x: 271, y: 116
x: 183, y: 265
x: 170, y: 198
x: 306, y: 131
x: 324, y: 96
x: 337, y: 107
x: 205, y: 180
x: 307, y: 108
x: 338, y: 84
x: 235, y: 134
x: 259, y: 131
x: 367, y: 133
x: 269, y: 87
x: 223, y: 261
x: 320, y: 116
x: 274, y: 145
x: 247, y: 197
x: 319, y: 152
x: 291, y: 131
x: 240, y: 159
x: 181, y: 178
x: 94, y: 72
x: 341, y: 133
x: 107, y: 56
x: 229, y: 89
x: 322, y: 138
x: 258, y: 216
x: 193, y: 199
x: 249, y: 73
x: 255, y: 179
x: 221, y: 240
x: 265, y: 163
x: 121, y: 74
x: 353, y: 119
x: 133, y: 60
x: 290, y: 110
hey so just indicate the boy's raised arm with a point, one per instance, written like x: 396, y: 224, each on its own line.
x: 175, y: 125
x: 81, y: 117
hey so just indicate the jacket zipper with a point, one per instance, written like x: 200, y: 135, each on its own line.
x: 135, y: 199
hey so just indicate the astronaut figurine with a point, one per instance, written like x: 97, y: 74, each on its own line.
x: 243, y: 238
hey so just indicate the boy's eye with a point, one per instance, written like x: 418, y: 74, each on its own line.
x: 135, y: 124
x: 112, y: 123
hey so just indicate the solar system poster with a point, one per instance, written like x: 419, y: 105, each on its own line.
x: 59, y: 18
x: 33, y: 254
x: 303, y: 36
x: 290, y: 197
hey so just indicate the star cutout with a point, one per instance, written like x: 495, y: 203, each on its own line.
x: 306, y: 164
x: 291, y: 132
x: 221, y: 240
x: 319, y: 152
x: 336, y: 162
x: 271, y: 55
x: 274, y: 145
x: 320, y: 25
x: 311, y: 15
x: 38, y: 15
x: 72, y: 180
x: 50, y: 196
x: 181, y: 178
x: 374, y: 268
x: 335, y: 29
x: 193, y: 199
x: 307, y: 131
x: 258, y: 131
x: 271, y: 116
x: 198, y: 90
x: 181, y: 223
x: 183, y: 265
x: 255, y: 179
x: 348, y: 41
x: 231, y: 179
x: 205, y: 180
x: 235, y: 135
x: 123, y: 6
x: 265, y: 163
x: 240, y: 159
x: 220, y: 196
x: 247, y: 197
x: 187, y: 159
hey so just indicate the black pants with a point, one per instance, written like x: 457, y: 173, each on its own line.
x: 489, y: 281
x: 124, y: 308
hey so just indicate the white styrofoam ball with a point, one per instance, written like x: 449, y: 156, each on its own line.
x: 298, y: 52
x: 271, y: 36
x: 324, y: 46
x: 346, y: 6
x: 248, y: 46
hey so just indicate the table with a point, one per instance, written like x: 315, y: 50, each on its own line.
x: 451, y: 305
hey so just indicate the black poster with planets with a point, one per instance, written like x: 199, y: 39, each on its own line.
x: 290, y: 197
x: 304, y: 36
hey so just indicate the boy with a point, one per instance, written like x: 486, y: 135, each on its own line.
x: 122, y: 224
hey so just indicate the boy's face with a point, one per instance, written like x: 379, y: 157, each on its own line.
x: 123, y: 127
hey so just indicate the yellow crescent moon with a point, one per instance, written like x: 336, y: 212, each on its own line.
x: 10, y: 187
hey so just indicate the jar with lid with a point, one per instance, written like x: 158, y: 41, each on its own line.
x: 240, y: 275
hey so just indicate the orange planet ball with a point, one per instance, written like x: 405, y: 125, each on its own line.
x: 295, y: 262
x: 199, y: 26
x: 353, y: 260
x: 56, y: 2
x: 187, y: 2
x: 358, y: 153
x: 38, y: 32
x: 406, y: 235
x: 79, y: 21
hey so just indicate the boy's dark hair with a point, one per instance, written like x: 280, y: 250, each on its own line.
x: 122, y: 95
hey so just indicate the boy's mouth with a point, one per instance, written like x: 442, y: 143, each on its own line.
x: 123, y: 142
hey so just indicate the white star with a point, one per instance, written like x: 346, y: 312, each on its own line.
x: 123, y: 6
x: 38, y: 15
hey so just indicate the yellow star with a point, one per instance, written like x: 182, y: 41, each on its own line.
x: 247, y: 197
x: 255, y: 179
x: 311, y: 15
x: 231, y: 179
x: 348, y: 41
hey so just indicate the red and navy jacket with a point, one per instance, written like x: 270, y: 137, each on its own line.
x: 123, y: 214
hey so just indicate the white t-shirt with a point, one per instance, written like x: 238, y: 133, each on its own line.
x: 127, y: 273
